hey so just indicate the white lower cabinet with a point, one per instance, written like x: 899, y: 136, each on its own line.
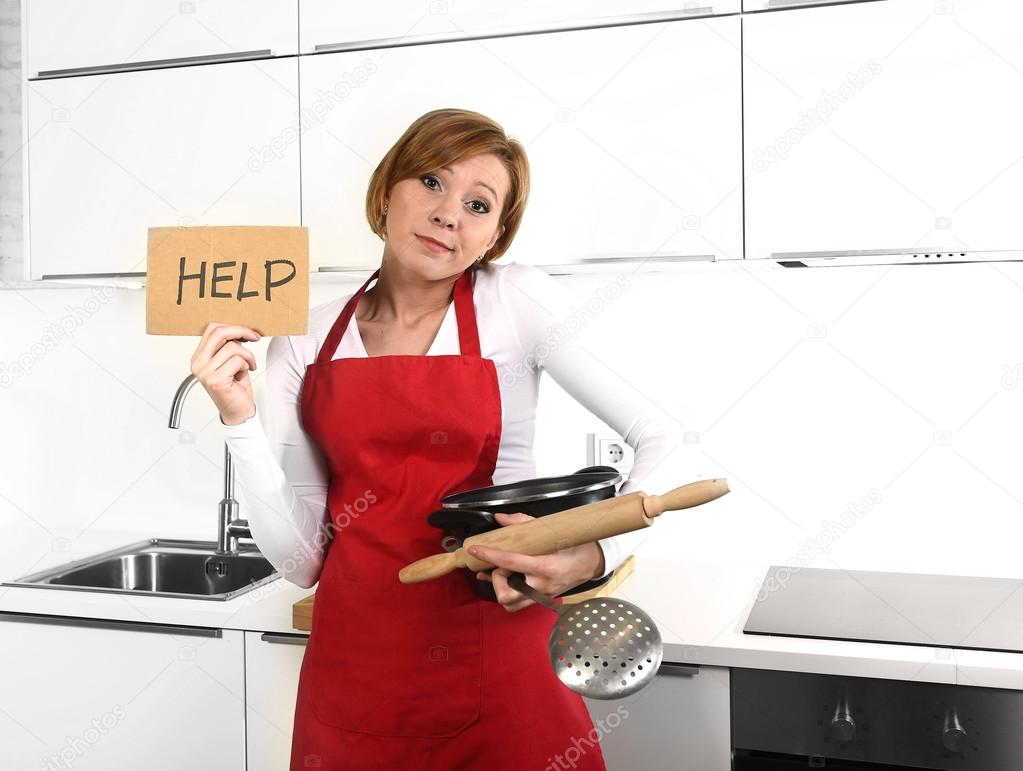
x: 681, y: 721
x: 98, y: 695
x: 272, y: 665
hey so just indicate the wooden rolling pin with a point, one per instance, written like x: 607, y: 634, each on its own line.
x: 564, y: 529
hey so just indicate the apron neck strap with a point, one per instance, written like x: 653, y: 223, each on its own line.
x: 465, y: 313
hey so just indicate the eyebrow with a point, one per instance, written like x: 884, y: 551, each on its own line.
x: 479, y: 182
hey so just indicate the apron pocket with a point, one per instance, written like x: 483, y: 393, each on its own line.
x: 402, y: 660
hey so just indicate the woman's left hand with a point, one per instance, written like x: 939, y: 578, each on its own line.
x: 550, y: 574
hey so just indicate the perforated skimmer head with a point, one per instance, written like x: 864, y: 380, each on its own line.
x: 603, y: 648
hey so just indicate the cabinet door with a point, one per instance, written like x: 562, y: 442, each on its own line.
x: 680, y: 721
x: 69, y: 34
x: 110, y: 156
x: 632, y: 133
x: 325, y: 24
x: 272, y: 666
x: 109, y: 695
x: 884, y: 126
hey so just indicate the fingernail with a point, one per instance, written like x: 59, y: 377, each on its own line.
x: 473, y: 551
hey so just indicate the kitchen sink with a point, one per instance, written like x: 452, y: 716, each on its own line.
x: 161, y: 567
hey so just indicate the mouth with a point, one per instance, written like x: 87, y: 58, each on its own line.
x: 434, y: 244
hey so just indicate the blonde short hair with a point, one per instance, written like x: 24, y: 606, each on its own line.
x: 445, y: 136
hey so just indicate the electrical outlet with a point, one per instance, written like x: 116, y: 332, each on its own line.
x: 609, y: 450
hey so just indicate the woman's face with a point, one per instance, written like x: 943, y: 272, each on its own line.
x: 459, y: 206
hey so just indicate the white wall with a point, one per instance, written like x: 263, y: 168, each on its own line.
x: 817, y: 392
x: 801, y: 424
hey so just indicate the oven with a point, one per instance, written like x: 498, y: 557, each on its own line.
x: 796, y: 720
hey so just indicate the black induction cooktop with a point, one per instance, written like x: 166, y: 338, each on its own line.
x: 906, y: 608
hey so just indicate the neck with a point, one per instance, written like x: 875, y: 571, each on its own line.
x: 405, y: 297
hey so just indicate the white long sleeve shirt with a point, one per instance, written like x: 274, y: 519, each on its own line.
x: 525, y: 322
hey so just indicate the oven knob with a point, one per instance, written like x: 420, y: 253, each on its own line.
x: 953, y: 735
x: 843, y: 727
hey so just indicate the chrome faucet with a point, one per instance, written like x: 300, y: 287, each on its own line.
x: 229, y: 527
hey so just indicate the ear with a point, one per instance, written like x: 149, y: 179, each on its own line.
x: 493, y: 240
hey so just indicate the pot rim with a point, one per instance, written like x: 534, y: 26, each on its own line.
x: 607, y: 480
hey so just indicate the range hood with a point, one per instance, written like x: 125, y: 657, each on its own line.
x: 863, y: 257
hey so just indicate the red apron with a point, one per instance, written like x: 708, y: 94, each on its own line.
x: 425, y: 676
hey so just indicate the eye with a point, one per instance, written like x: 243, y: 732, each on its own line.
x: 428, y: 178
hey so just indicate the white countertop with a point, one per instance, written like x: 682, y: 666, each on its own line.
x: 700, y: 608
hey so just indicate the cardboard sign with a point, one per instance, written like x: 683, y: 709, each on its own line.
x: 251, y: 275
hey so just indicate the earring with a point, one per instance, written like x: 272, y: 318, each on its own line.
x: 385, y: 208
x: 480, y: 258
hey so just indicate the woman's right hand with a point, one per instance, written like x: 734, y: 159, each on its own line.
x: 221, y: 363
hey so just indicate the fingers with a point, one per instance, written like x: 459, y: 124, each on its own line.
x: 511, y: 600
x: 222, y: 364
x: 511, y: 519
x: 213, y: 338
x: 229, y: 351
x: 512, y: 561
x: 507, y: 563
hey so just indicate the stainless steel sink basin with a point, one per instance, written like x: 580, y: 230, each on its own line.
x: 161, y: 567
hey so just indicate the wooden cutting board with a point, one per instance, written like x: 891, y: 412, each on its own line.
x: 302, y: 611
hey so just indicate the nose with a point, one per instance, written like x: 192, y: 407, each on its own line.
x: 445, y: 213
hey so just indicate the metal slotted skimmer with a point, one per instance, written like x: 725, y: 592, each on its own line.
x: 602, y: 648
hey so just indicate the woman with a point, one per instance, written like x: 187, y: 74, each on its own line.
x: 421, y: 385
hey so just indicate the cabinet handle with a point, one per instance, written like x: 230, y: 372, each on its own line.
x: 788, y: 3
x: 569, y: 267
x: 284, y: 639
x: 678, y: 670
x: 515, y: 31
x: 156, y: 64
x: 106, y: 623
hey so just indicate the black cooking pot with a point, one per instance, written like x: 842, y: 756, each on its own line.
x: 472, y: 512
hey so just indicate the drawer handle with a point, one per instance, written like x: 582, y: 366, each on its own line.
x: 155, y: 64
x: 678, y: 670
x: 284, y: 639
x: 105, y: 623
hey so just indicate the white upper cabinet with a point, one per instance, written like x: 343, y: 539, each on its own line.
x: 70, y: 34
x: 633, y: 135
x: 889, y: 125
x: 110, y: 156
x: 327, y: 25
